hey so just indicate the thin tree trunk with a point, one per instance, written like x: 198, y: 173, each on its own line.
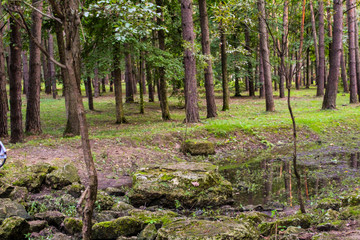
x: 264, y: 51
x: 335, y: 53
x: 128, y: 75
x: 17, y: 134
x: 51, y: 66
x: 45, y: 67
x: 249, y: 67
x: 149, y: 79
x: 96, y: 83
x: 191, y: 101
x: 3, y: 93
x: 120, y: 117
x: 322, y: 70
x: 90, y: 94
x: 357, y: 56
x: 350, y: 5
x: 320, y: 85
x: 298, y: 75
x: 308, y: 68
x: 225, y: 81
x: 283, y: 51
x: 208, y: 72
x: 25, y: 72
x: 162, y: 88
x: 343, y: 72
x: 261, y: 77
x: 142, y: 81
x: 111, y: 84
x: 103, y: 87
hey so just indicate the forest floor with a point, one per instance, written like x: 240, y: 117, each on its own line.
x: 243, y: 134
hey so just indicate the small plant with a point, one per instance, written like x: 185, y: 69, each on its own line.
x: 177, y: 204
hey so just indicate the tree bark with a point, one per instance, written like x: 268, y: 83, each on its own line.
x: 350, y: 5
x: 264, y: 51
x: 298, y: 75
x: 343, y: 72
x: 120, y: 117
x: 357, y: 56
x: 90, y: 94
x: 96, y: 83
x: 335, y: 53
x: 261, y: 77
x: 149, y: 79
x: 128, y: 75
x: 45, y: 68
x: 249, y: 67
x: 142, y: 81
x: 17, y: 134
x: 51, y: 66
x: 25, y: 72
x: 225, y: 81
x: 321, y: 65
x: 191, y: 100
x: 33, y: 123
x: 208, y: 72
x: 3, y: 93
x: 283, y: 51
x: 320, y: 86
x: 103, y: 87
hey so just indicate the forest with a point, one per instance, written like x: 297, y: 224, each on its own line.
x: 175, y: 120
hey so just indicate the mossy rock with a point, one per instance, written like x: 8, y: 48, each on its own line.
x: 256, y: 217
x: 9, y: 208
x: 121, y: 206
x: 269, y: 228
x: 203, y: 229
x: 350, y: 213
x: 104, y: 201
x: 158, y: 217
x: 72, y: 226
x: 37, y: 225
x: 328, y: 226
x: 124, y: 226
x: 352, y: 199
x: 149, y: 233
x: 19, y: 194
x: 63, y: 176
x: 187, y: 183
x: 32, y: 177
x: 75, y: 189
x: 54, y: 218
x: 198, y: 147
x: 329, y: 203
x: 5, y: 190
x: 14, y: 228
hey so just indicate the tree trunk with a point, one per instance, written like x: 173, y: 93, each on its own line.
x: 103, y: 87
x: 261, y: 77
x: 357, y: 56
x: 320, y: 85
x: 3, y: 93
x: 128, y: 75
x: 308, y: 68
x: 120, y: 118
x: 162, y: 89
x: 249, y: 67
x: 142, y: 81
x: 45, y: 68
x: 191, y: 100
x: 96, y: 83
x: 111, y: 84
x: 283, y: 51
x: 298, y: 75
x: 343, y: 72
x: 350, y: 5
x: 321, y: 71
x: 225, y: 82
x: 51, y: 66
x: 90, y: 94
x: 17, y: 134
x: 208, y: 72
x: 25, y: 71
x: 149, y: 79
x: 335, y: 53
x: 264, y: 51
x: 33, y: 123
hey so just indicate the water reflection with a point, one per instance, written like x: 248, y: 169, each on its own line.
x: 272, y: 180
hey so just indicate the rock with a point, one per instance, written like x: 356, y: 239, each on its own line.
x: 19, y: 194
x: 350, y: 213
x: 61, y: 236
x: 10, y: 208
x: 329, y: 203
x: 255, y: 217
x: 124, y: 226
x: 198, y: 147
x: 269, y: 228
x: 158, y: 217
x: 352, y: 199
x: 121, y: 206
x: 117, y: 192
x: 183, y: 229
x: 63, y: 177
x: 186, y: 183
x: 104, y: 201
x: 37, y: 225
x: 5, y: 190
x: 293, y: 230
x: 75, y: 189
x: 33, y: 177
x: 72, y: 225
x: 103, y: 217
x: 54, y: 218
x: 328, y: 226
x: 149, y: 233
x: 14, y: 228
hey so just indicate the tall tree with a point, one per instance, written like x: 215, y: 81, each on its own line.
x: 284, y: 49
x: 191, y: 100
x: 3, y: 93
x: 249, y: 66
x: 51, y: 65
x: 350, y: 5
x: 343, y: 72
x: 329, y: 101
x: 225, y: 80
x: 298, y: 75
x: 208, y: 72
x: 321, y: 64
x: 120, y: 117
x: 128, y: 75
x: 264, y: 51
x: 25, y: 71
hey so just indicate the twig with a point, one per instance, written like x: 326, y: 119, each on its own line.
x: 44, y: 14
x: 79, y: 208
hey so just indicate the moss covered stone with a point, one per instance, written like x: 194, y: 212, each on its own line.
x: 149, y: 233
x: 14, y: 228
x: 121, y: 206
x: 54, y: 218
x: 329, y: 203
x: 256, y: 217
x: 75, y: 189
x: 299, y: 220
x: 158, y: 217
x: 9, y: 208
x: 352, y: 199
x: 188, y: 183
x: 73, y: 225
x: 350, y: 213
x: 62, y: 177
x: 203, y: 229
x: 328, y: 226
x: 104, y: 201
x: 124, y: 226
x: 198, y: 147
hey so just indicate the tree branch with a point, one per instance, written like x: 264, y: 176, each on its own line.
x: 44, y: 14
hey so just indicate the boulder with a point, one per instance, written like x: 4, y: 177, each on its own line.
x: 54, y: 218
x: 350, y: 213
x: 149, y: 233
x: 329, y: 203
x: 328, y: 226
x: 255, y: 217
x: 124, y: 226
x: 5, y: 190
x: 19, y: 194
x: 75, y: 189
x: 268, y: 228
x: 183, y: 229
x: 72, y: 226
x: 188, y: 184
x: 14, y: 228
x: 32, y: 177
x: 158, y: 217
x: 104, y: 201
x: 117, y: 192
x: 121, y: 206
x: 352, y: 199
x: 198, y: 147
x: 37, y: 225
x: 9, y: 208
x: 63, y: 176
